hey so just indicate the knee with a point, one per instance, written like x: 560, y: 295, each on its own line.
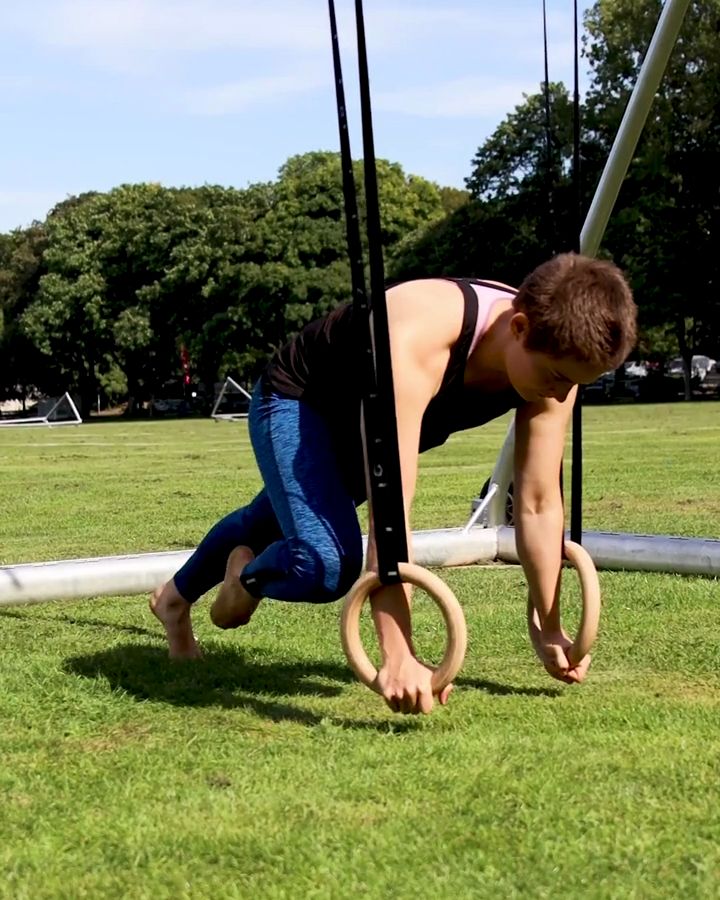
x: 326, y: 574
x: 350, y: 568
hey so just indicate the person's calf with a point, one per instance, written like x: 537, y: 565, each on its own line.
x: 173, y: 611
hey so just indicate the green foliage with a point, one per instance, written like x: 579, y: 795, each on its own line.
x: 516, y: 157
x: 21, y: 254
x: 112, y: 382
x: 666, y: 225
x: 452, y: 199
x: 120, y: 281
x: 657, y: 342
x: 520, y: 207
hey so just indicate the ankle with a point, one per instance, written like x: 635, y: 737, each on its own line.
x: 168, y: 595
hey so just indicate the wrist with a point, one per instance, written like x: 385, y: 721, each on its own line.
x: 548, y: 620
x: 391, y: 615
x: 395, y: 647
x: 550, y: 625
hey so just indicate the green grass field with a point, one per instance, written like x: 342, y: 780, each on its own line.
x: 264, y: 770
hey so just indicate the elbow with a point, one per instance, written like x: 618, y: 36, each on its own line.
x: 533, y: 504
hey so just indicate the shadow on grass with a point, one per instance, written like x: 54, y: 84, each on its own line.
x: 501, y: 690
x: 82, y: 622
x: 225, y: 678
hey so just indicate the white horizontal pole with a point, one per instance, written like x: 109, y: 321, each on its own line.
x: 143, y: 572
x: 31, y: 420
x: 636, y: 552
x: 68, y: 579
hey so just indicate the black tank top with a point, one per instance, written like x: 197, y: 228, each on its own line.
x: 318, y: 367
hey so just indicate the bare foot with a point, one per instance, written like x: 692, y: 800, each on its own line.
x: 233, y: 606
x: 173, y: 610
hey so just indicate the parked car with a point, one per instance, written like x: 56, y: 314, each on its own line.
x: 600, y: 390
x: 700, y: 365
x: 175, y: 399
x: 613, y: 385
x: 636, y: 369
x: 711, y: 382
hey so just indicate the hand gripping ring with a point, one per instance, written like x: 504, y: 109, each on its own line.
x: 580, y: 559
x: 440, y: 593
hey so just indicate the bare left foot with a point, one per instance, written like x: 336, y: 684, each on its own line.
x: 233, y: 606
x: 173, y: 610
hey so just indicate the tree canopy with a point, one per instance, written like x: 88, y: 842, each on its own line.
x: 109, y: 288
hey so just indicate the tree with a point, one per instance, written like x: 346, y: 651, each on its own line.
x: 666, y: 226
x: 526, y: 167
x: 131, y: 276
x: 21, y: 366
x: 125, y: 282
x: 295, y: 266
x: 520, y: 207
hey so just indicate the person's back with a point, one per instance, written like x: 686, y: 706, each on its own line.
x: 323, y: 366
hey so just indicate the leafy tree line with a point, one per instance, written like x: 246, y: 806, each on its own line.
x: 110, y: 287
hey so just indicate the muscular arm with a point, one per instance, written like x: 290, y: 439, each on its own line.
x: 539, y: 521
x: 538, y: 504
x: 424, y: 319
x: 391, y: 604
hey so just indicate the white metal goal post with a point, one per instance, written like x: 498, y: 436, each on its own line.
x: 62, y: 412
x: 232, y: 404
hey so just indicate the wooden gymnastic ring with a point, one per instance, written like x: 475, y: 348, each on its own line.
x: 440, y: 593
x: 580, y: 559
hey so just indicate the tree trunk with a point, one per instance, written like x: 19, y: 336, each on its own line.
x: 687, y: 377
x: 686, y: 352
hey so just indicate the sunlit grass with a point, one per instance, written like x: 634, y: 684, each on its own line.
x: 265, y: 770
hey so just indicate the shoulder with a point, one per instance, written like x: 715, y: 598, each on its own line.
x: 424, y: 287
x: 425, y: 318
x: 430, y: 307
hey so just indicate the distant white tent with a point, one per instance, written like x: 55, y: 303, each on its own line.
x: 55, y: 411
x: 233, y: 402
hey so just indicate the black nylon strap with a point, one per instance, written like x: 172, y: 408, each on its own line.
x: 382, y: 456
x: 352, y: 221
x: 576, y: 477
x: 549, y: 167
x: 480, y: 283
x: 576, y: 504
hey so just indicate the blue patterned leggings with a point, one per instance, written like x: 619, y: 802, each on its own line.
x: 302, y: 527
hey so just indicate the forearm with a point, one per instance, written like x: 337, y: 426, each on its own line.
x: 539, y: 543
x: 391, y: 614
x: 390, y: 606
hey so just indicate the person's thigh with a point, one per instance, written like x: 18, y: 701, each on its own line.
x: 321, y: 551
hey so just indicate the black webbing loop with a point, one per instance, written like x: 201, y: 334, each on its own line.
x: 549, y: 167
x: 382, y: 456
x: 577, y: 454
x: 352, y: 220
x: 576, y: 221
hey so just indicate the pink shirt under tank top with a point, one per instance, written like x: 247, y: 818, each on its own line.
x: 487, y: 298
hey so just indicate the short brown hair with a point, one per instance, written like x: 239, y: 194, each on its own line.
x: 580, y: 307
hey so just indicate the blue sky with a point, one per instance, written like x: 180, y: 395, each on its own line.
x: 95, y: 93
